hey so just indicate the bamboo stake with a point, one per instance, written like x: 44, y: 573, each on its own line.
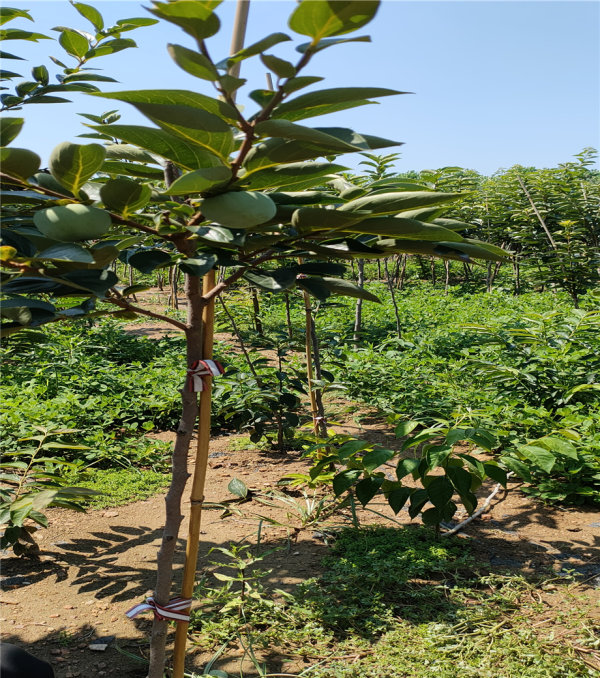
x: 199, y: 480
x: 203, y: 439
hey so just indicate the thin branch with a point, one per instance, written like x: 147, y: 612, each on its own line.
x: 123, y: 303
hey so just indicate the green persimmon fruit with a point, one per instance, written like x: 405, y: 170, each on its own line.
x: 69, y: 223
x: 239, y: 209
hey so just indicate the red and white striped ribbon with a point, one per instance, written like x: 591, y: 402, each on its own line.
x: 201, y: 369
x: 168, y: 611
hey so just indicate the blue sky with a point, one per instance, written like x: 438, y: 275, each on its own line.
x: 494, y: 83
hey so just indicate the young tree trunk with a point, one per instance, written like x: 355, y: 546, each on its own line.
x: 422, y: 266
x: 322, y: 422
x: 173, y: 498
x: 488, y: 277
x: 467, y: 271
x: 288, y: 315
x: 131, y: 282
x: 402, y: 272
x: 393, y: 295
x: 447, y: 279
x: 256, y: 310
x: 433, y: 272
x: 358, y: 311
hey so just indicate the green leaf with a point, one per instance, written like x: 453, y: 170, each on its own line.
x: 125, y: 195
x: 290, y: 176
x: 67, y: 252
x: 329, y: 101
x: 281, y: 67
x: 74, y: 43
x: 321, y: 268
x: 299, y: 82
x: 314, y: 287
x: 96, y: 281
x: 199, y: 265
x: 90, y: 13
x: 17, y: 34
x: 397, y: 498
x: 132, y: 169
x: 392, y: 203
x: 129, y: 152
x: 162, y: 143
x: 273, y: 281
x: 255, y: 48
x: 200, y: 180
x: 406, y: 466
x: 345, y: 288
x: 322, y: 18
x: 238, y: 488
x: 330, y: 42
x: 496, y: 473
x: 460, y: 478
x: 94, y: 77
x: 404, y: 428
x: 68, y: 223
x: 148, y: 260
x: 367, y: 488
x: 289, y: 130
x: 343, y: 481
x: 110, y: 47
x: 559, y: 445
x: 73, y: 164
x: 375, y: 458
x: 540, y: 456
x: 440, y: 491
x: 432, y: 516
x: 418, y: 499
x: 19, y: 163
x: 239, y: 209
x: 9, y: 13
x: 7, y: 55
x: 399, y: 227
x: 194, y: 17
x: 193, y: 63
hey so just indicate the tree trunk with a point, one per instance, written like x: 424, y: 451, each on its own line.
x: 288, y: 316
x: 173, y: 498
x: 402, y: 272
x: 447, y: 280
x: 256, y: 309
x: 358, y: 311
x: 390, y: 285
x: 433, y: 272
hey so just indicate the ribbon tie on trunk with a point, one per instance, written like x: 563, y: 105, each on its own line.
x: 201, y: 369
x: 165, y: 612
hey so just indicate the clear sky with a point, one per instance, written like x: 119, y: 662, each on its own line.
x: 494, y: 83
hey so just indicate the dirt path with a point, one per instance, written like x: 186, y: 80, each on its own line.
x: 95, y: 566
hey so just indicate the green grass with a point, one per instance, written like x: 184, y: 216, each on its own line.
x: 397, y: 603
x: 122, y: 486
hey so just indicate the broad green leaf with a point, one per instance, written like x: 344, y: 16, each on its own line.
x: 330, y: 42
x: 321, y: 268
x: 299, y: 82
x: 496, y: 473
x: 255, y: 48
x: 9, y: 13
x: 367, y: 488
x: 239, y: 209
x: 293, y: 175
x: 7, y: 55
x: 432, y: 516
x: 125, y: 195
x: 129, y: 152
x: 559, y: 445
x: 343, y: 481
x: 540, y: 456
x: 276, y: 151
x: 73, y: 164
x: 132, y: 169
x: 460, y: 478
x: 398, y: 227
x: 19, y: 163
x: 238, y: 488
x: 281, y: 67
x: 314, y: 287
x: 329, y: 101
x: 272, y: 281
x: 68, y: 223
x: 322, y: 18
x: 90, y: 13
x: 74, y: 43
x: 40, y: 74
x: 17, y: 34
x: 345, y: 288
x: 397, y: 498
x: 9, y: 75
x: 163, y: 144
x: 148, y: 260
x: 404, y: 428
x: 193, y: 63
x: 110, y: 47
x: 67, y: 252
x: 198, y: 265
x: 418, y: 499
x: 195, y: 18
x: 440, y: 491
x: 289, y: 130
x: 96, y: 281
x: 406, y: 466
x: 200, y: 180
x: 392, y: 203
x: 94, y: 77
x: 363, y: 141
x: 230, y: 83
x: 307, y: 219
x: 375, y: 458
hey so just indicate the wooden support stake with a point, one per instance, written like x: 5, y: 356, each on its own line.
x: 199, y: 480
